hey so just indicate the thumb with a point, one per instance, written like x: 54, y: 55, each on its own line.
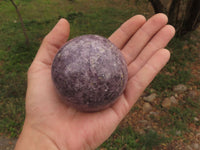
x: 53, y: 42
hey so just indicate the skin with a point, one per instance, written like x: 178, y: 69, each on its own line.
x: 49, y: 124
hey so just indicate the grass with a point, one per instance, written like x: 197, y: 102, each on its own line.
x: 177, y: 70
x: 86, y: 17
x: 180, y: 117
x: 127, y: 138
x: 122, y: 138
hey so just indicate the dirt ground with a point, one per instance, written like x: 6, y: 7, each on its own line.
x: 7, y: 143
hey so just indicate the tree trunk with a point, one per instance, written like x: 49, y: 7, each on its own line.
x: 184, y: 15
x: 21, y: 21
x: 192, y: 17
x: 174, y: 12
x: 158, y: 6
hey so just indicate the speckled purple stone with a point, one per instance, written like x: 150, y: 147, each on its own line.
x: 89, y: 73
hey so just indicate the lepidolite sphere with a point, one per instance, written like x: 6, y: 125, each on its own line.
x: 89, y: 73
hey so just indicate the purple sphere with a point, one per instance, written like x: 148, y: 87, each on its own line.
x: 89, y: 73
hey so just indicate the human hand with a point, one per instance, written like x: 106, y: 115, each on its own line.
x: 50, y: 124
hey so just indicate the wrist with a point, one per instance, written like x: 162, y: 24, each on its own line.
x: 33, y: 139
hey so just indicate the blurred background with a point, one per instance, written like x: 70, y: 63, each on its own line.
x: 167, y: 116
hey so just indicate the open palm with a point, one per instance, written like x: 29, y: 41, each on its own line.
x: 141, y: 43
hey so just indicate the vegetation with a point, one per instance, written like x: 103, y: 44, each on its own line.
x: 21, y: 21
x: 126, y: 138
x: 95, y: 17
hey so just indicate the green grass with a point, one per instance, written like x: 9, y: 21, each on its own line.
x: 122, y: 138
x: 12, y: 111
x: 151, y: 139
x: 177, y: 71
x: 127, y: 138
x: 179, y: 117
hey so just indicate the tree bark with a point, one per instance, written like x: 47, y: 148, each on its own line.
x: 174, y: 13
x: 184, y: 15
x: 192, y: 17
x: 158, y: 6
x: 21, y: 21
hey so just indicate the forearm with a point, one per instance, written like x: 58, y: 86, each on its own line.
x: 31, y: 139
